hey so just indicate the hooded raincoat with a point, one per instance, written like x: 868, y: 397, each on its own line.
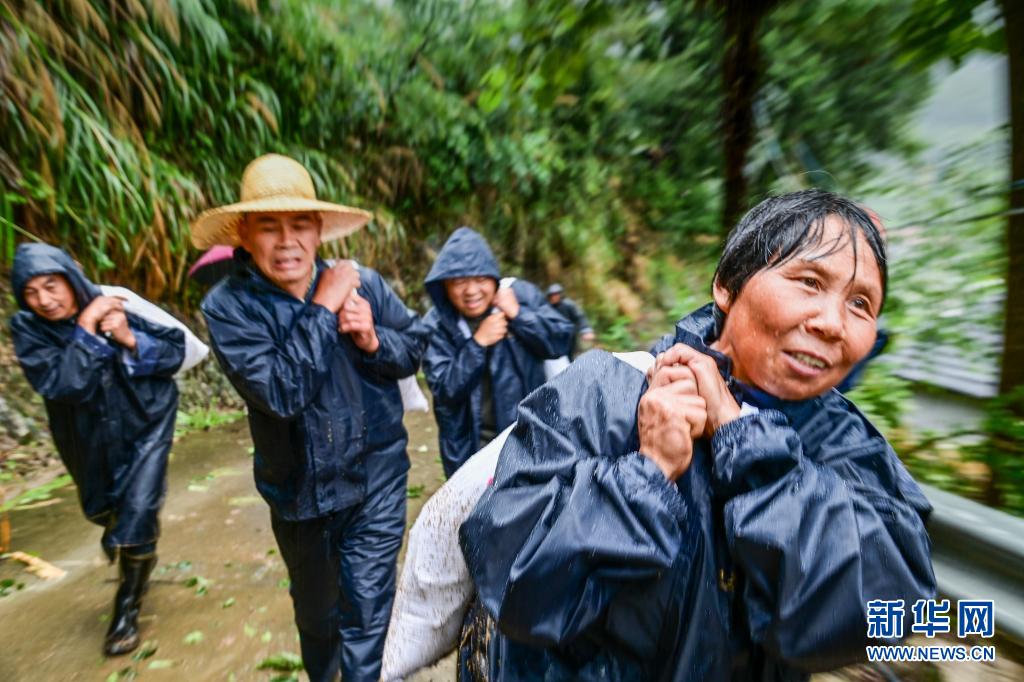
x: 111, y: 412
x: 455, y: 363
x: 756, y: 564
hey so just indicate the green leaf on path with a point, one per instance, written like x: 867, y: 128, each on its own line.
x: 145, y: 651
x: 37, y: 494
x: 194, y: 637
x: 284, y: 661
x: 414, y: 491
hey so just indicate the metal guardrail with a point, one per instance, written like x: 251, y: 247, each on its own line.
x: 978, y: 553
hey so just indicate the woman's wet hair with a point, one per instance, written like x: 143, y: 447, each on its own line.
x: 780, y: 228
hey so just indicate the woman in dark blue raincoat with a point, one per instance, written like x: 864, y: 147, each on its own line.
x: 729, y: 515
x: 106, y: 379
x: 487, y: 345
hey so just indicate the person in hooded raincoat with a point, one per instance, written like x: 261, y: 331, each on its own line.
x: 571, y: 311
x: 727, y: 516
x: 316, y: 352
x: 487, y: 346
x: 106, y: 377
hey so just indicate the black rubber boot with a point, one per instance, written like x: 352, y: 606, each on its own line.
x: 123, y: 635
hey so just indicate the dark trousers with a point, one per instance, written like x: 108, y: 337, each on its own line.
x: 342, y: 569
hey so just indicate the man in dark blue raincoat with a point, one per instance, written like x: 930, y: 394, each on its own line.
x: 487, y: 345
x: 729, y: 515
x: 106, y: 378
x: 316, y: 352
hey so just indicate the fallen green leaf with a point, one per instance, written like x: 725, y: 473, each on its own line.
x: 228, y: 603
x: 290, y: 677
x: 284, y: 661
x: 161, y: 664
x: 145, y: 651
x: 414, y: 491
x: 267, y: 636
x: 37, y: 494
x: 194, y: 637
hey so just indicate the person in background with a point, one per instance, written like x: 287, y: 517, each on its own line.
x: 571, y: 311
x: 106, y: 378
x: 487, y: 346
x: 316, y: 352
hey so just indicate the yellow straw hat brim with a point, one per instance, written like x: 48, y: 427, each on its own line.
x: 220, y: 225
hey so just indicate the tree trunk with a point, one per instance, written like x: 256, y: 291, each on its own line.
x: 741, y: 74
x: 1012, y: 374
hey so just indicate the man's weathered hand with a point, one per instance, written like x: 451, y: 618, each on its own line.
x: 506, y: 301
x: 492, y: 330
x: 670, y: 416
x: 97, y: 309
x: 115, y: 324
x: 721, y: 406
x: 336, y: 285
x: 356, y: 320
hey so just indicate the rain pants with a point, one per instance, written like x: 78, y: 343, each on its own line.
x: 757, y: 563
x: 111, y: 411
x: 455, y: 363
x: 330, y: 452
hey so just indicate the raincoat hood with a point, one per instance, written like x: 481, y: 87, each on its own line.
x: 32, y: 260
x: 465, y: 254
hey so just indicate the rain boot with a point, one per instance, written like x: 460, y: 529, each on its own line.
x: 123, y: 635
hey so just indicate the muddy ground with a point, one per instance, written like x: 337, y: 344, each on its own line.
x: 218, y: 604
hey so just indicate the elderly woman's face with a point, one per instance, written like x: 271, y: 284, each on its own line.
x: 796, y: 330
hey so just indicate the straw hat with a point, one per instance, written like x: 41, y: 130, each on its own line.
x: 275, y: 183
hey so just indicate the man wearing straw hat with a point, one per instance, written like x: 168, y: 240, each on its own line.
x: 316, y: 351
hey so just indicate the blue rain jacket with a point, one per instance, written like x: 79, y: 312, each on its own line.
x: 111, y: 412
x: 323, y: 414
x: 755, y: 564
x: 455, y: 363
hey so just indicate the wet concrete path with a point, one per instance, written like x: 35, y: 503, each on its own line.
x: 218, y: 604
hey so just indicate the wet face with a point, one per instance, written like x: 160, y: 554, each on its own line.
x: 471, y: 296
x: 51, y: 297
x: 796, y: 330
x: 553, y: 299
x: 283, y: 246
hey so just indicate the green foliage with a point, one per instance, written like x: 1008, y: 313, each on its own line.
x: 1002, y: 451
x: 568, y: 132
x: 882, y: 397
x: 203, y: 420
